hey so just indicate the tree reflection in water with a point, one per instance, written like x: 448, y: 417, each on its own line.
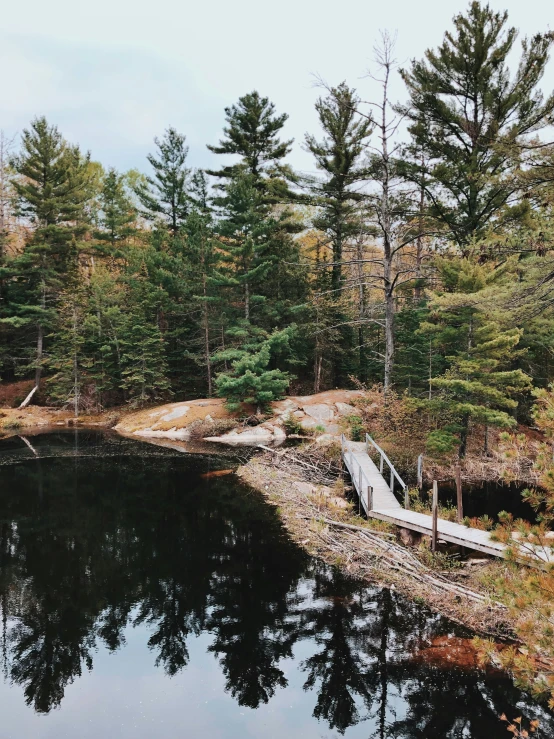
x: 90, y: 546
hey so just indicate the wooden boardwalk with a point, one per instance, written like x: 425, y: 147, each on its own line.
x: 379, y: 501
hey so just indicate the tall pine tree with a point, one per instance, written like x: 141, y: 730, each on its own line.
x: 339, y: 155
x: 481, y: 381
x: 117, y: 212
x: 52, y: 186
x: 472, y: 118
x: 164, y: 197
x: 252, y: 132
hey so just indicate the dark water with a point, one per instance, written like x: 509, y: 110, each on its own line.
x: 490, y: 498
x: 143, y: 598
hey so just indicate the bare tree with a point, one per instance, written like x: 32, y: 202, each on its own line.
x: 7, y: 218
x: 394, y: 207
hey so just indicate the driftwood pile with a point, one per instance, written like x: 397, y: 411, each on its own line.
x: 362, y: 550
x: 373, y: 550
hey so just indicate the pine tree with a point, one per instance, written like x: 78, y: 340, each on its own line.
x: 117, y: 212
x: 199, y: 192
x: 52, y: 188
x: 143, y: 357
x: 472, y: 119
x: 479, y: 383
x: 339, y: 156
x: 252, y: 132
x: 106, y: 319
x: 67, y: 358
x: 165, y: 196
x: 250, y: 380
x: 202, y: 260
x: 245, y: 231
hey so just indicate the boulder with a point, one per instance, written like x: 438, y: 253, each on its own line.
x: 326, y: 439
x: 173, y: 433
x: 345, y: 409
x: 305, y: 488
x: 309, y: 423
x: 321, y: 412
x: 264, y: 434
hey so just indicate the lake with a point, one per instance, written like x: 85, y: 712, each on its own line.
x: 149, y: 593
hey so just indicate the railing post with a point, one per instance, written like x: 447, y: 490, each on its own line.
x: 369, y: 498
x: 391, y: 480
x: 435, y: 513
x: 406, y: 498
x: 420, y: 471
x: 381, y: 465
x: 459, y: 500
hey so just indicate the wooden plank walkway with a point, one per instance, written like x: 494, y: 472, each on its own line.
x: 379, y: 501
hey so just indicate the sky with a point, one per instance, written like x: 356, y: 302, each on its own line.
x: 113, y: 74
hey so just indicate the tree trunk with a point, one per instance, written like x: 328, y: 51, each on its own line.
x: 362, y: 356
x: 207, y: 350
x: 419, y: 242
x: 389, y: 331
x: 385, y: 219
x: 38, y: 368
x: 317, y: 371
x: 247, y: 301
x: 463, y: 436
x: 76, y: 389
x: 40, y: 337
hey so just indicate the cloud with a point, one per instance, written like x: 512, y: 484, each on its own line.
x: 110, y: 102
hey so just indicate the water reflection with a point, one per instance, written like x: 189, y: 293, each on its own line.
x: 125, y: 537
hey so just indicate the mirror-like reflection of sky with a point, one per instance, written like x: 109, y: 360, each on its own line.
x: 142, y: 597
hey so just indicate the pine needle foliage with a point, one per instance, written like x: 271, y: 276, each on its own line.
x: 472, y: 117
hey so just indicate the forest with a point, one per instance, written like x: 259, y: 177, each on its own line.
x: 418, y: 257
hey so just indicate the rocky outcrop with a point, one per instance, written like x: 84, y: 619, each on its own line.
x: 322, y: 414
x: 266, y: 433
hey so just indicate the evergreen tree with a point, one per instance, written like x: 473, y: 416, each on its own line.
x: 204, y: 280
x: 106, y: 321
x: 472, y: 119
x: 252, y: 132
x: 117, y: 212
x: 53, y: 189
x: 246, y: 229
x: 165, y: 196
x: 67, y: 357
x: 479, y: 383
x: 143, y: 359
x: 251, y: 380
x: 338, y: 196
x: 199, y: 192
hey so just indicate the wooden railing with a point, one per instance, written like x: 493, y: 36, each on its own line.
x: 358, y: 478
x: 393, y: 473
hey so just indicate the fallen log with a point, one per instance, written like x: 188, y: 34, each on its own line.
x: 29, y: 397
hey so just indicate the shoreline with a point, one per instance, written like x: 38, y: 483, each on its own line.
x: 372, y: 552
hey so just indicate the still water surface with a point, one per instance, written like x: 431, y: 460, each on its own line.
x: 142, y: 596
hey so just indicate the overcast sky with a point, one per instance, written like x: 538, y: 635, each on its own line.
x: 112, y: 74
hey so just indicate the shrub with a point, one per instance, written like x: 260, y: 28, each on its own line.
x: 202, y: 429
x: 292, y: 424
x: 441, y: 441
x: 11, y: 424
x: 356, y: 428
